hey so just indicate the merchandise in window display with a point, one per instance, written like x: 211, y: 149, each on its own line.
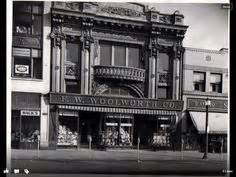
x: 110, y: 138
x: 31, y: 137
x: 66, y: 136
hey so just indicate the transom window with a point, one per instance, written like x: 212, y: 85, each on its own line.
x: 27, y: 63
x: 199, y: 81
x: 27, y: 18
x: 216, y: 83
x: 119, y: 54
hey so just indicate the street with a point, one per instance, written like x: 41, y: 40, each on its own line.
x: 118, y: 162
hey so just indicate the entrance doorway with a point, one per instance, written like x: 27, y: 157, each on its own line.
x: 89, y: 126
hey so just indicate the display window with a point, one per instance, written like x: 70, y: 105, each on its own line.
x: 25, y: 129
x: 118, y: 130
x: 67, y: 131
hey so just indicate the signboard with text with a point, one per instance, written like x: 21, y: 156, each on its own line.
x: 198, y: 104
x: 115, y: 102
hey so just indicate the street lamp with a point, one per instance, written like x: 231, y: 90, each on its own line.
x: 207, y: 104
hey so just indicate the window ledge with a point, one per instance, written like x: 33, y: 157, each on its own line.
x: 27, y: 79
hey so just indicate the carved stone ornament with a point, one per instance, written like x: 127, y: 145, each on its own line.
x: 121, y: 11
x: 57, y: 36
x: 86, y: 38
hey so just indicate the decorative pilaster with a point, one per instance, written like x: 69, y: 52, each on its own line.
x: 57, y: 38
x: 177, y: 49
x: 86, y: 40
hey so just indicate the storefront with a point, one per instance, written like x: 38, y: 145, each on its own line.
x: 112, y: 121
x: 25, y: 120
x: 218, y: 124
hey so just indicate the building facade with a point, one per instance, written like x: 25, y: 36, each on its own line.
x: 113, y: 74
x: 30, y: 74
x: 205, y: 76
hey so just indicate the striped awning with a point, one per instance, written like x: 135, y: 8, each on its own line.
x: 117, y: 110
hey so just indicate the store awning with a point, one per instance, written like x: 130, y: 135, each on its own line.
x: 117, y: 110
x: 217, y: 122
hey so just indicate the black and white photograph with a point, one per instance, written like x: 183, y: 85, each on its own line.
x: 101, y: 88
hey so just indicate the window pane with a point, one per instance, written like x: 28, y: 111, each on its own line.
x: 72, y: 52
x: 215, y: 78
x: 36, y: 9
x: 198, y: 77
x: 134, y: 59
x: 163, y: 61
x: 72, y: 87
x: 30, y: 127
x: 119, y: 56
x: 162, y: 92
x: 22, y: 23
x: 105, y: 54
x: 21, y: 52
x: 37, y: 68
x: 20, y: 7
x: 36, y: 26
x: 22, y: 66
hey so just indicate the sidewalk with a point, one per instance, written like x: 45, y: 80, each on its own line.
x: 114, y: 155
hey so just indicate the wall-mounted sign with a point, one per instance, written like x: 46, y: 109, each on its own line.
x: 22, y: 69
x: 198, y: 104
x: 114, y: 102
x: 29, y: 113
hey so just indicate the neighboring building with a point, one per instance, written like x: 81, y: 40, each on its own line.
x: 205, y: 76
x: 30, y: 74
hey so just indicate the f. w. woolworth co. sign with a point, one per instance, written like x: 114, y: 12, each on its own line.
x: 116, y: 102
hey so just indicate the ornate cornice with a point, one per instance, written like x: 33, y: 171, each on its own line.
x: 206, y: 50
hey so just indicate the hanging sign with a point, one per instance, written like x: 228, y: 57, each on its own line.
x: 29, y: 113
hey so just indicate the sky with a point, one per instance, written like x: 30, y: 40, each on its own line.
x: 208, y: 23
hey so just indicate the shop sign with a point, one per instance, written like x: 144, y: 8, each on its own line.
x: 29, y: 113
x: 22, y: 69
x: 198, y: 104
x: 105, y: 101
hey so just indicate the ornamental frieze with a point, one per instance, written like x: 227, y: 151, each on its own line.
x: 121, y: 11
x: 75, y: 6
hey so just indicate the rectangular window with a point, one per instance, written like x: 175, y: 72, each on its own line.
x: 216, y: 83
x: 72, y: 52
x: 27, y: 18
x: 105, y: 54
x: 134, y: 57
x: 72, y: 86
x: 199, y: 81
x: 164, y: 62
x: 119, y: 55
x: 27, y: 63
